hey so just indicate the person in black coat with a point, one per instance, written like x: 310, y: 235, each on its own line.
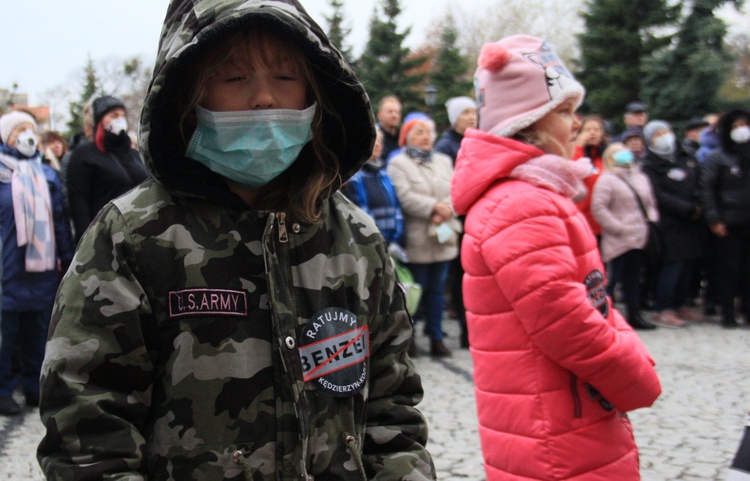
x: 462, y: 114
x: 725, y: 192
x: 104, y: 169
x: 675, y: 176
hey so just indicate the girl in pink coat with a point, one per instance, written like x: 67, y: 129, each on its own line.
x: 556, y: 367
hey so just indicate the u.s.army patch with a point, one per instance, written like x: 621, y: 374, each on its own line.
x: 334, y: 351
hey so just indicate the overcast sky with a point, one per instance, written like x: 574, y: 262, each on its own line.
x: 46, y: 42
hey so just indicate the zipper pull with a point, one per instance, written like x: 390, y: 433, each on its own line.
x: 283, y: 236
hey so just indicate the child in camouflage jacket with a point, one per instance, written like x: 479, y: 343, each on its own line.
x: 235, y: 317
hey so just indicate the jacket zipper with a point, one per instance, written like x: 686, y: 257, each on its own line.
x: 283, y: 235
x: 282, y: 254
x: 576, y: 395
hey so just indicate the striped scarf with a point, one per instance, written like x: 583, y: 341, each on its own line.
x: 32, y: 212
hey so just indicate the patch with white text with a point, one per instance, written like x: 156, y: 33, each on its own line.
x: 595, y: 288
x: 334, y: 351
x: 194, y: 302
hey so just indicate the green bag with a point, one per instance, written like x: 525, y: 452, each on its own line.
x: 412, y: 289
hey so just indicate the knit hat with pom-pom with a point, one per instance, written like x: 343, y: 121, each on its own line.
x: 519, y: 81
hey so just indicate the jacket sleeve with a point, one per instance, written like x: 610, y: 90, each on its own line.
x: 535, y: 267
x: 79, y: 181
x: 354, y: 190
x: 649, y: 202
x: 63, y: 236
x: 674, y: 205
x: 601, y: 200
x: 97, y: 373
x: 709, y: 187
x: 396, y: 432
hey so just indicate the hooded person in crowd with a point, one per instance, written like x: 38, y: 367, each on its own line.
x: 725, y: 192
x: 555, y: 365
x: 235, y: 316
x: 35, y: 240
x: 104, y: 169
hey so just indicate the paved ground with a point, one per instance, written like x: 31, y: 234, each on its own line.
x: 690, y: 434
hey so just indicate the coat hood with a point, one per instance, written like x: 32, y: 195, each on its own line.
x: 725, y: 129
x: 191, y: 27
x: 483, y: 160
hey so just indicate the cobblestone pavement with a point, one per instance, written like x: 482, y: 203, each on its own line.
x: 690, y: 434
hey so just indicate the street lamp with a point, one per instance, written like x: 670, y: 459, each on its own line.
x: 430, y: 98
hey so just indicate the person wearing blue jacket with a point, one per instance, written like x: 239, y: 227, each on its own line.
x: 371, y: 189
x: 37, y: 243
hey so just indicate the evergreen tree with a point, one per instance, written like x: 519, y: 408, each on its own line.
x: 338, y: 31
x: 386, y: 66
x: 451, y: 71
x: 90, y: 87
x: 683, y: 81
x: 617, y: 37
x: 736, y: 88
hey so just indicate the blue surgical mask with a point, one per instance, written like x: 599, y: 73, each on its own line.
x: 251, y: 147
x: 623, y: 157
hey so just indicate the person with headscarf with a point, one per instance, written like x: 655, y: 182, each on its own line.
x: 422, y: 179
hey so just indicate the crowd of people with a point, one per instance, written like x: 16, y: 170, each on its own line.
x: 231, y: 311
x: 689, y: 189
x: 49, y: 194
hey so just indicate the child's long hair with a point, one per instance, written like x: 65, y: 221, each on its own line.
x: 315, y: 174
x: 539, y: 138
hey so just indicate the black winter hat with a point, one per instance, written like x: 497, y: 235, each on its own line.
x: 104, y: 104
x: 634, y: 107
x: 695, y: 123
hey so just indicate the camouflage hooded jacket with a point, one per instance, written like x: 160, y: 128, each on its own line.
x: 194, y: 338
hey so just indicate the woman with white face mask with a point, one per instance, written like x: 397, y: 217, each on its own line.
x: 674, y: 176
x: 35, y: 240
x: 105, y: 168
x: 725, y: 192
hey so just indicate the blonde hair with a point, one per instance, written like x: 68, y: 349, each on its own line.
x: 88, y: 118
x: 316, y: 172
x: 539, y: 138
x: 608, y: 159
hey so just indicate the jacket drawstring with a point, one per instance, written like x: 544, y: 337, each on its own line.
x: 239, y: 458
x: 351, y: 445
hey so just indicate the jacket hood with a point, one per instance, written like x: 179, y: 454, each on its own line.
x: 483, y: 160
x: 725, y: 129
x: 190, y: 28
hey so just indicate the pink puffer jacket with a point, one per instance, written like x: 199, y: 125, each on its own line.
x: 555, y: 365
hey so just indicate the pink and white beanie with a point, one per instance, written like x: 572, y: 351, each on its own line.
x: 520, y: 80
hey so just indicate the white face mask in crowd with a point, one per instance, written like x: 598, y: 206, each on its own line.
x: 118, y: 125
x: 740, y: 134
x: 26, y: 143
x: 664, y: 144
